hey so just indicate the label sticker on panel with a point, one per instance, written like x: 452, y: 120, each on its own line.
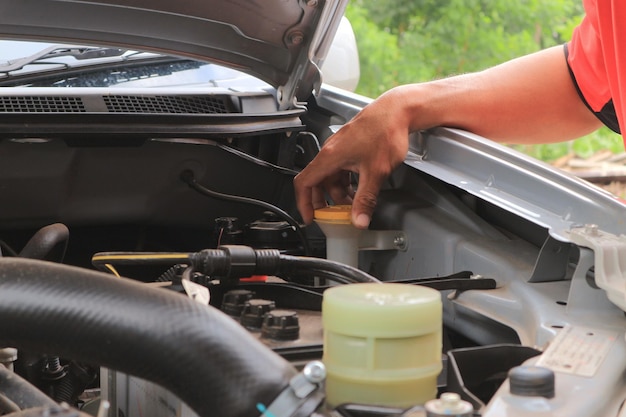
x: 578, y: 350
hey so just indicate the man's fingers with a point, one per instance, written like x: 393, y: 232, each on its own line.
x: 310, y: 186
x: 339, y: 188
x: 322, y: 174
x: 365, y: 199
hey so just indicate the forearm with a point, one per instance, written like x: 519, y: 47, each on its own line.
x: 528, y: 100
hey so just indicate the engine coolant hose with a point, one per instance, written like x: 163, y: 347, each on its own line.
x: 204, y: 357
x: 21, y: 392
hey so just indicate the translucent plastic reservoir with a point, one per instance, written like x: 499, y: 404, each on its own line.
x: 382, y: 344
x: 342, y: 238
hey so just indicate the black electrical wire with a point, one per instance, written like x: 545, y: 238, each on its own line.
x: 188, y: 177
x: 314, y: 140
x: 240, y: 261
x: 286, y: 171
x: 331, y: 269
x: 237, y: 261
x: 105, y: 261
x: 298, y: 276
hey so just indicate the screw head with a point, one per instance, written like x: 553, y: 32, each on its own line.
x: 399, y: 242
x: 314, y: 372
x: 296, y: 38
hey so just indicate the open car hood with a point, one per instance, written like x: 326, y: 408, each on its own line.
x: 521, y: 185
x: 282, y: 42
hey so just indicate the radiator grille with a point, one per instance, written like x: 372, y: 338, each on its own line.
x: 147, y: 104
x: 41, y: 104
x: 166, y: 104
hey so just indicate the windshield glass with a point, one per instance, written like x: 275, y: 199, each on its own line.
x: 39, y: 64
x: 11, y: 50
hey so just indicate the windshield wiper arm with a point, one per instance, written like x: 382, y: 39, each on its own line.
x: 78, y: 52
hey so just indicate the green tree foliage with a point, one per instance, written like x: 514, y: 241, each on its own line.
x: 378, y: 52
x: 403, y: 41
x: 406, y: 41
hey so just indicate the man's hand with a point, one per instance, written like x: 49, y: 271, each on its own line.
x: 531, y: 99
x: 372, y: 145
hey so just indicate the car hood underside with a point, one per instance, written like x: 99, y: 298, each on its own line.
x: 281, y: 42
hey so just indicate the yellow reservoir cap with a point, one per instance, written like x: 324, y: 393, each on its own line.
x: 335, y: 214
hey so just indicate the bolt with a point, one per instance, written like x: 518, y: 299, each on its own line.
x: 399, y: 241
x: 449, y: 404
x: 314, y: 372
x: 591, y: 229
x: 296, y: 38
x: 450, y: 400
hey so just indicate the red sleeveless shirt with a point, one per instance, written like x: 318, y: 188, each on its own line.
x: 596, y: 56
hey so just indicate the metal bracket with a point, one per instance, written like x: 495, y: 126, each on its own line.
x: 609, y: 258
x: 383, y: 240
x: 552, y: 262
x: 302, y: 388
x: 583, y: 297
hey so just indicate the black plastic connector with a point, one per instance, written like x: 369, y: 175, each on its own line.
x: 235, y: 261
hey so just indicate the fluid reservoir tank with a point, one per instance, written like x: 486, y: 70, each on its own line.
x: 342, y: 238
x: 382, y: 344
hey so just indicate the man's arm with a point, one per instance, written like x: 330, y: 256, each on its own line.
x: 527, y: 100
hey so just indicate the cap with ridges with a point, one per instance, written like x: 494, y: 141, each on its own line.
x: 338, y: 213
x: 532, y: 381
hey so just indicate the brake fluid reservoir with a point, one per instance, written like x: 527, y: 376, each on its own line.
x: 382, y: 344
x: 342, y: 238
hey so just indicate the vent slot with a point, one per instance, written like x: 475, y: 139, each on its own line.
x: 167, y: 104
x: 41, y: 104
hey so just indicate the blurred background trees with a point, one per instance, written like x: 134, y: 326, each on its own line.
x: 405, y: 41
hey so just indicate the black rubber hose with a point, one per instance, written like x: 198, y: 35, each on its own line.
x: 21, y: 392
x: 198, y: 353
x: 49, y: 243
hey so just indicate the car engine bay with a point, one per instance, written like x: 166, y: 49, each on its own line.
x: 153, y: 262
